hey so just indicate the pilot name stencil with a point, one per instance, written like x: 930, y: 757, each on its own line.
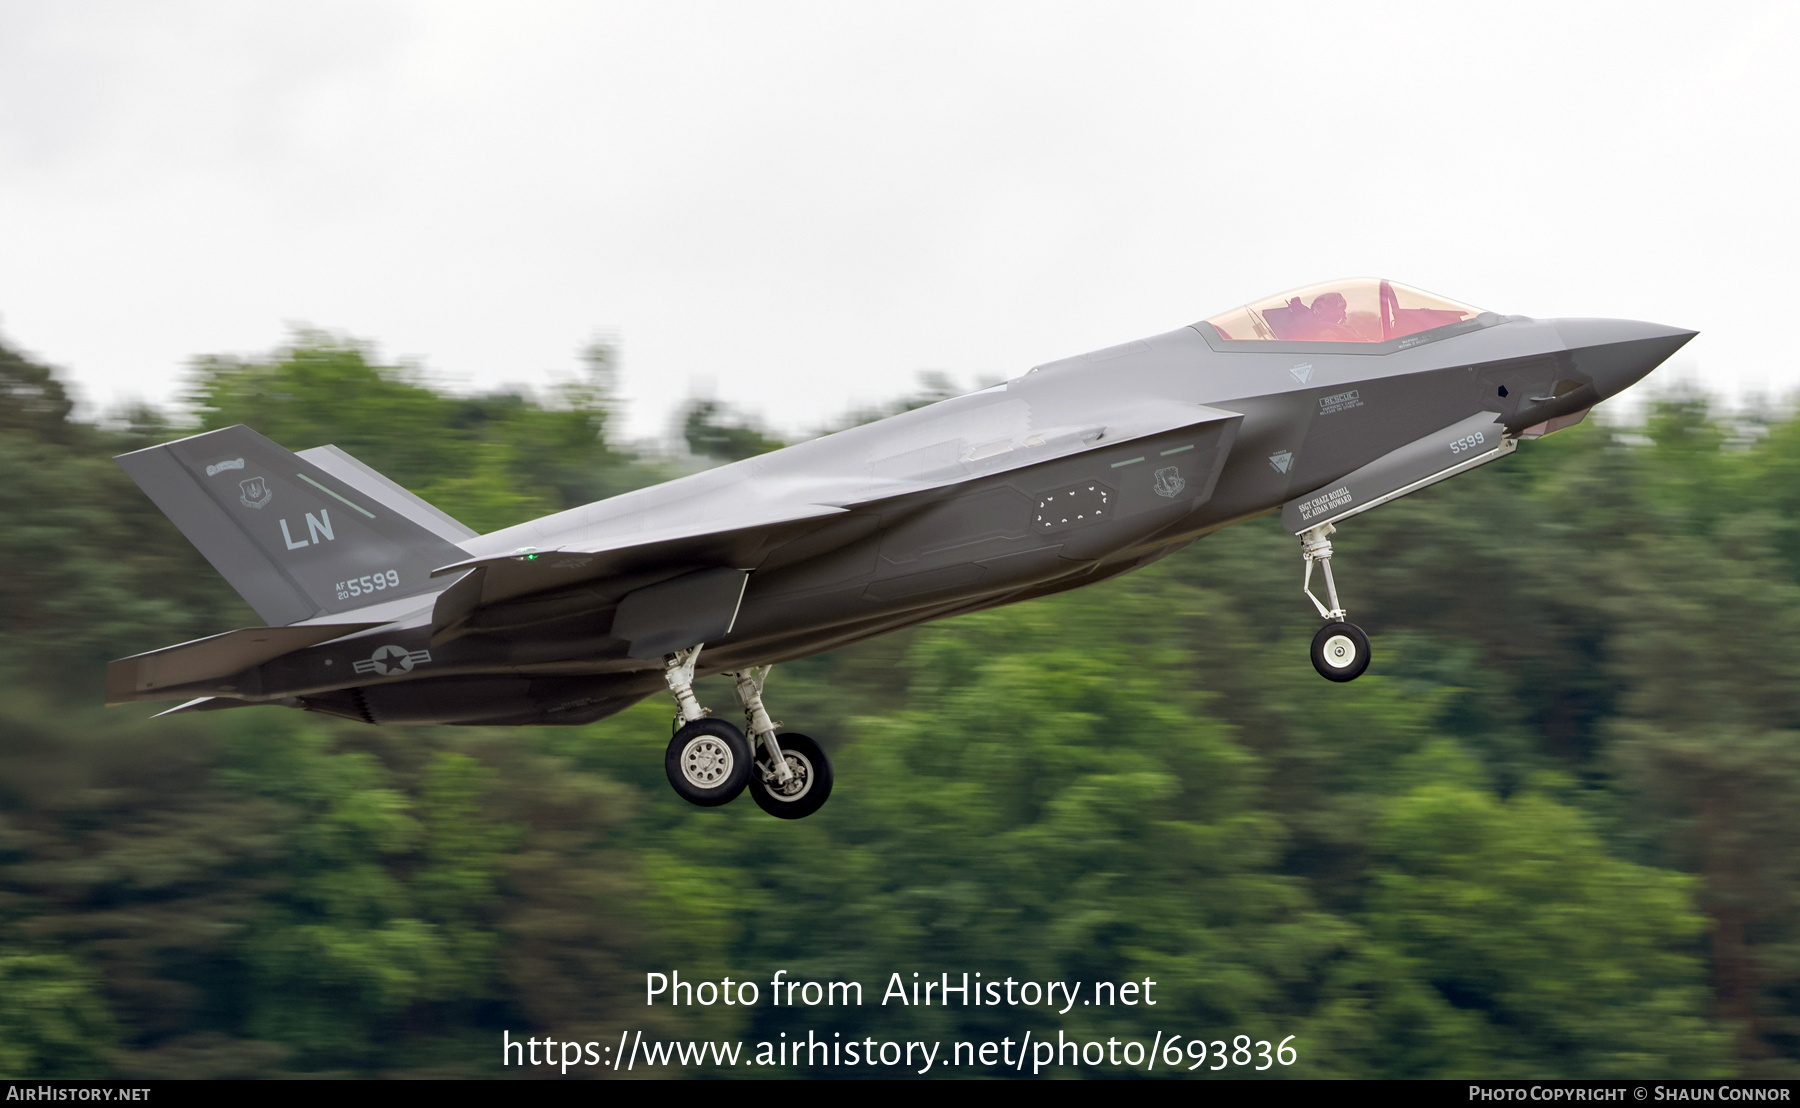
x: 1327, y: 502
x: 1340, y: 402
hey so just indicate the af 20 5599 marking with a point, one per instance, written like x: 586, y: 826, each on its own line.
x: 373, y: 582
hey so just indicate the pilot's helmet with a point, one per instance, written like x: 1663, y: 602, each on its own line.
x: 1330, y: 307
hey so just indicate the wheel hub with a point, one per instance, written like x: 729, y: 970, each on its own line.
x: 796, y: 785
x: 706, y: 762
x: 1340, y: 651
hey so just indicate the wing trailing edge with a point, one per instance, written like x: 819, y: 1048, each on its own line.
x: 518, y: 572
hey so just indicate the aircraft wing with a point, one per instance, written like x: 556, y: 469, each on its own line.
x: 689, y: 576
x: 732, y: 542
x: 732, y: 518
x: 736, y: 514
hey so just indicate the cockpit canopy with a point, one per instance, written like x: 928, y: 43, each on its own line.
x: 1358, y: 309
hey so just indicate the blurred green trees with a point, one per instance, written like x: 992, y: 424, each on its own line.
x: 1551, y: 833
x: 712, y: 432
x: 52, y: 1020
x: 489, y: 459
x: 1538, y: 948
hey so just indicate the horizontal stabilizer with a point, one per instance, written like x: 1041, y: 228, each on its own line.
x: 170, y: 672
x: 1457, y: 448
x: 203, y: 704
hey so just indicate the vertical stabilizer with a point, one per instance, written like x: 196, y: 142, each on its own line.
x: 294, y: 540
x: 340, y: 464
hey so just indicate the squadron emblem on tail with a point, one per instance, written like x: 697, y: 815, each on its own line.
x: 255, y: 493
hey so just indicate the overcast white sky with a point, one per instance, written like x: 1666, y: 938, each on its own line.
x: 799, y: 206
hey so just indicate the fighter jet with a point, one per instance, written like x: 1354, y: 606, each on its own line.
x: 1320, y: 404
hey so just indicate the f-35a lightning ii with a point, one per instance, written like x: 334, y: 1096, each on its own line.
x: 1320, y: 403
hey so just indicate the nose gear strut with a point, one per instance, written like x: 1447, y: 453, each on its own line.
x: 1340, y: 651
x: 1316, y: 547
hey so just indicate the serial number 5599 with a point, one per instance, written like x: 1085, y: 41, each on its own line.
x: 374, y: 582
x: 1467, y: 443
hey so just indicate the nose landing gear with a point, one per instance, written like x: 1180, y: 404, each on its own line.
x: 1340, y: 651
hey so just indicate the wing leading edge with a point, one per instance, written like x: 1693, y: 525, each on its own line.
x: 737, y: 537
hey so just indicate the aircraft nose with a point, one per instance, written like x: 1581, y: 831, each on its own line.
x: 1618, y: 353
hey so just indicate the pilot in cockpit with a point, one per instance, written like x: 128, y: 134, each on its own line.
x: 1329, y: 322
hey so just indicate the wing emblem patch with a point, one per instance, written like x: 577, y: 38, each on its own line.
x: 390, y: 660
x: 1169, y: 481
x: 254, y: 493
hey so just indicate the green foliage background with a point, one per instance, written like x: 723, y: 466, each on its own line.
x: 1551, y: 833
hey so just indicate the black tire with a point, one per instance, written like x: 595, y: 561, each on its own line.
x: 809, y: 763
x: 1340, y: 651
x: 708, y: 762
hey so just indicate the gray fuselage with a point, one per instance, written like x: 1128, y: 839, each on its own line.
x: 1067, y: 475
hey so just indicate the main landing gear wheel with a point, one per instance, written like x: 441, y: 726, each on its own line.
x: 1340, y: 651
x: 708, y: 762
x: 805, y: 791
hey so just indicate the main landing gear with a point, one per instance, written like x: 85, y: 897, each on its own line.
x: 709, y: 761
x: 1340, y: 651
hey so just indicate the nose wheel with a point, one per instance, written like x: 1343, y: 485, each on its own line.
x: 1340, y: 651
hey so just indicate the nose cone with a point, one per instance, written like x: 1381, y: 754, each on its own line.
x: 1618, y: 353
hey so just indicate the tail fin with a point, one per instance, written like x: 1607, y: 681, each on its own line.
x: 296, y: 539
